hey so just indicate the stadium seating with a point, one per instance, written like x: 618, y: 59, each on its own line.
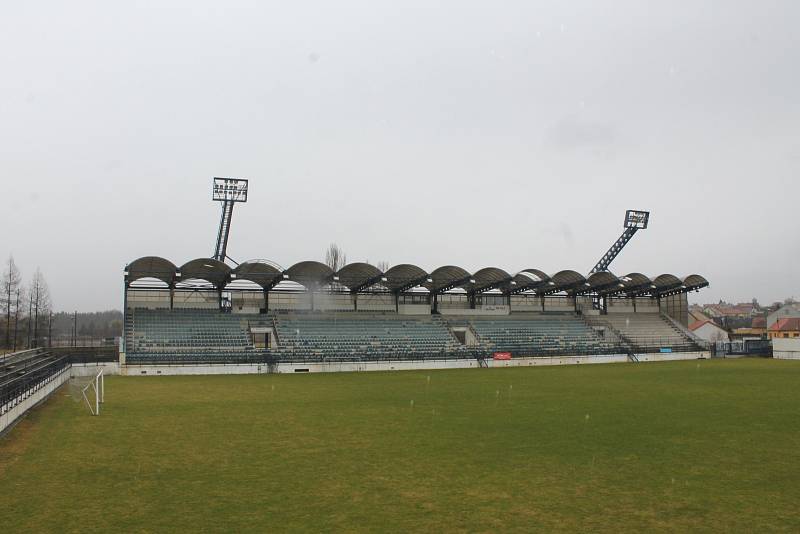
x: 648, y: 332
x: 197, y: 336
x: 540, y: 335
x: 186, y: 335
x: 349, y: 337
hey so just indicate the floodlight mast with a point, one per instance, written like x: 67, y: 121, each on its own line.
x: 229, y: 191
x: 635, y: 220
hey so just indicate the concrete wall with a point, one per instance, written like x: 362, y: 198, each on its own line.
x: 485, y: 310
x: 620, y: 305
x: 91, y: 369
x: 165, y: 370
x: 19, y: 406
x: 531, y: 303
x: 559, y: 304
x: 786, y: 348
x: 414, y: 309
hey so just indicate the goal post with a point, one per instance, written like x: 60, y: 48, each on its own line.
x: 97, y: 385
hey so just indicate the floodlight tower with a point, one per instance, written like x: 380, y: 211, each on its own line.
x: 634, y: 221
x: 229, y: 191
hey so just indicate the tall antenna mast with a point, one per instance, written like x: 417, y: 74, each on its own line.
x: 229, y: 191
x: 634, y: 221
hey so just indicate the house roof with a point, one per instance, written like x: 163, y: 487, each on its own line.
x: 786, y: 324
x: 697, y: 324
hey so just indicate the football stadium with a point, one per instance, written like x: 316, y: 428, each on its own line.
x: 235, y: 402
x: 258, y: 316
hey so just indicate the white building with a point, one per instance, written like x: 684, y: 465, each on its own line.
x: 709, y: 331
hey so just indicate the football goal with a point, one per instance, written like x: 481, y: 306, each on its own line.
x: 92, y: 389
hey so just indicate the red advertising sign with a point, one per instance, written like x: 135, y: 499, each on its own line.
x: 501, y: 356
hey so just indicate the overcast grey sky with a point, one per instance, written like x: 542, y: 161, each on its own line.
x: 512, y: 134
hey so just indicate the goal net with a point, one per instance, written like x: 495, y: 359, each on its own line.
x: 89, y: 389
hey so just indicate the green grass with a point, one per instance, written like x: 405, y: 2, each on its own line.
x: 700, y: 446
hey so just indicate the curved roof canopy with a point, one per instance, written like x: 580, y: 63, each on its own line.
x: 528, y: 279
x: 568, y: 281
x: 356, y: 276
x: 151, y: 267
x: 447, y: 277
x: 359, y: 276
x: 488, y: 278
x: 309, y: 273
x: 695, y: 281
x: 404, y: 276
x: 208, y: 269
x: 604, y: 281
x: 665, y: 283
x: 259, y: 272
x: 633, y: 283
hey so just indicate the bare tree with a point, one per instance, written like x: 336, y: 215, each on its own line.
x: 11, y: 283
x: 16, y: 314
x: 383, y: 266
x: 335, y: 257
x: 40, y: 302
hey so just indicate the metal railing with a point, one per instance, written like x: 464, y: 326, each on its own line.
x: 17, y: 385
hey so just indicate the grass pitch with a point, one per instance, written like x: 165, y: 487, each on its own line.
x: 708, y: 445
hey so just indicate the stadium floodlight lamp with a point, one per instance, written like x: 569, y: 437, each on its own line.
x: 230, y: 189
x: 637, y: 219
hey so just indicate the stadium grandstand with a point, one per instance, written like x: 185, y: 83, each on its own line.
x: 206, y: 312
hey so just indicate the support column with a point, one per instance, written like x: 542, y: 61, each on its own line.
x: 266, y: 301
x: 122, y: 342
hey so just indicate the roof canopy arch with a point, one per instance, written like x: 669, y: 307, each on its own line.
x: 208, y: 269
x: 694, y: 282
x: 529, y: 279
x: 568, y: 281
x: 603, y: 282
x: 403, y: 277
x: 309, y: 273
x: 447, y: 277
x: 151, y: 267
x: 358, y: 276
x: 260, y: 272
x: 665, y: 283
x: 635, y: 283
x: 488, y: 278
